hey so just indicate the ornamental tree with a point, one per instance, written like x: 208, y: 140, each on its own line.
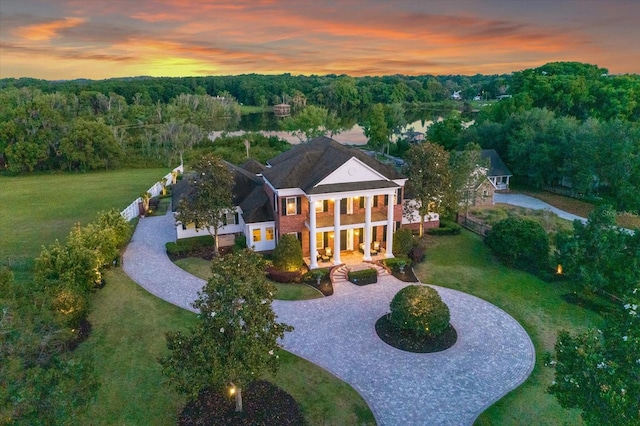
x: 429, y: 178
x: 236, y: 337
x: 209, y: 199
x: 598, y: 372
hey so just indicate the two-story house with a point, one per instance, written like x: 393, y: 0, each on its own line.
x: 332, y: 197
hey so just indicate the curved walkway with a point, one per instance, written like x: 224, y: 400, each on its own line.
x: 493, y: 354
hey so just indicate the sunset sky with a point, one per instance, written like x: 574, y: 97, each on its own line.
x: 68, y: 39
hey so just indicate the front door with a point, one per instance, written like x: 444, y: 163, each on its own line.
x: 344, y: 240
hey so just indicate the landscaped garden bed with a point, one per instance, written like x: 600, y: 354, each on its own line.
x: 410, y: 341
x: 418, y: 321
x: 263, y: 404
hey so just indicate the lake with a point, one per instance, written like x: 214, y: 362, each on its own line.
x: 268, y: 124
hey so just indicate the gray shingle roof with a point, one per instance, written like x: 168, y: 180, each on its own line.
x: 305, y: 165
x: 248, y: 193
x: 497, y: 167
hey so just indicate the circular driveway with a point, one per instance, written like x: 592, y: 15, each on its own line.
x: 492, y: 356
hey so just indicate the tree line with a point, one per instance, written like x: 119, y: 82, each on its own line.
x: 568, y: 127
x: 89, y: 131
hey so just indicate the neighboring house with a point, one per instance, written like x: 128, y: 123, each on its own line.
x: 498, y: 173
x: 456, y: 96
x: 413, y: 137
x: 282, y: 110
x: 482, y: 195
x: 333, y: 198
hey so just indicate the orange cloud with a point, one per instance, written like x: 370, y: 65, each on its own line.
x: 48, y: 30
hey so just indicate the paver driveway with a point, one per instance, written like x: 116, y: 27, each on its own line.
x: 492, y: 356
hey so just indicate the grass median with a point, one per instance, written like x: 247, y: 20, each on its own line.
x: 464, y: 263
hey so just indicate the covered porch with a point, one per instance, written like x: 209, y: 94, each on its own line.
x: 347, y: 257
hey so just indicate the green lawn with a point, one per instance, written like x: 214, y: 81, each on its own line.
x: 128, y: 337
x: 202, y: 268
x: 128, y: 323
x: 35, y: 210
x: 464, y: 263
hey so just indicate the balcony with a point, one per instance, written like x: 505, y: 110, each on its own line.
x: 324, y: 220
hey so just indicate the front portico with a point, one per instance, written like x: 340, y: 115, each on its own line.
x: 348, y: 228
x: 335, y: 199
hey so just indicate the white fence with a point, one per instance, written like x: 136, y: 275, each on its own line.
x: 133, y: 210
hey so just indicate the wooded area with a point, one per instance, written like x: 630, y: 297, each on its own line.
x: 565, y: 126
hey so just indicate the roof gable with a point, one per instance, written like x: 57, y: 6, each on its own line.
x: 353, y: 170
x: 496, y: 166
x: 305, y: 166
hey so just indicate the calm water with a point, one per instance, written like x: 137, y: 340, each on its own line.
x: 269, y: 125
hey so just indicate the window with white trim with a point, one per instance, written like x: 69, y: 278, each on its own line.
x: 256, y: 235
x: 231, y: 219
x: 292, y: 206
x: 269, y: 234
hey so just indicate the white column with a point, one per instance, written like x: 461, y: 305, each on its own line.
x: 367, y: 228
x: 313, y: 250
x: 336, y: 232
x: 390, y: 225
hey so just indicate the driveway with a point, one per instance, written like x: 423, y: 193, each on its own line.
x: 492, y: 356
x: 526, y: 201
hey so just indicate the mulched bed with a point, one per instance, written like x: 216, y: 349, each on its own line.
x: 412, y: 342
x: 408, y: 276
x: 263, y: 403
x: 325, y: 287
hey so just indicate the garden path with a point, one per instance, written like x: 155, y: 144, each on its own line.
x: 492, y: 356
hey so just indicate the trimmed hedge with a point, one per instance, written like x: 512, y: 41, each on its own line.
x: 280, y: 276
x: 446, y: 228
x: 395, y: 262
x: 363, y: 277
x: 310, y: 277
x: 186, y: 246
x: 420, y: 309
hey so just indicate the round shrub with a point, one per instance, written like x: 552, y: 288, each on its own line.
x: 520, y: 243
x: 420, y: 310
x: 287, y: 256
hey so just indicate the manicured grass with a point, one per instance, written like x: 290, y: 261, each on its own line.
x: 464, y: 263
x: 202, y: 268
x: 35, y: 210
x: 127, y: 338
x: 128, y: 323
